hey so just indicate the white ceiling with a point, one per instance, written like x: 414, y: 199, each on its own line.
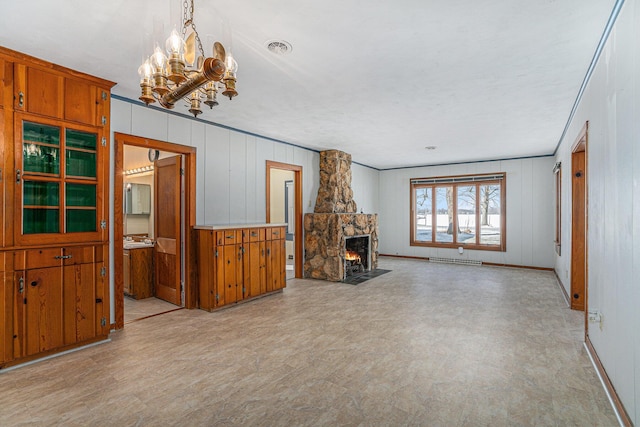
x: 487, y: 79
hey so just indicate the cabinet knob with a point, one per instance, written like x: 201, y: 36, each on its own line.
x: 34, y: 283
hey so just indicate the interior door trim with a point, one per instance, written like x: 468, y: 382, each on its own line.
x: 189, y: 154
x: 297, y: 178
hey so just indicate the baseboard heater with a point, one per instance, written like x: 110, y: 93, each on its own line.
x: 454, y: 261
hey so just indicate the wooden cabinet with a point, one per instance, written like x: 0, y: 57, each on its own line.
x: 54, y: 227
x: 237, y: 264
x: 60, y: 298
x: 138, y: 272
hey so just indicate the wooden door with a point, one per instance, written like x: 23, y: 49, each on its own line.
x: 79, y: 302
x: 578, y: 230
x: 43, y: 312
x: 167, y: 229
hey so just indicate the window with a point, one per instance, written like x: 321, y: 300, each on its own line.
x: 557, y: 170
x: 466, y: 211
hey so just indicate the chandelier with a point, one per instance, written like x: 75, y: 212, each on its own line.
x: 176, y: 75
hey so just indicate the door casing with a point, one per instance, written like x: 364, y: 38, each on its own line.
x: 297, y: 179
x: 189, y: 153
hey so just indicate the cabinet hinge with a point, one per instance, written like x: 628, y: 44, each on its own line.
x: 217, y: 297
x: 103, y: 224
x: 104, y: 120
x: 103, y: 271
x: 181, y: 171
x: 104, y: 141
x: 216, y: 253
x: 21, y: 285
x: 103, y: 321
x: 104, y: 95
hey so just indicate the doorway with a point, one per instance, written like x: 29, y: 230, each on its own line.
x: 156, y: 236
x: 579, y: 221
x: 284, y: 205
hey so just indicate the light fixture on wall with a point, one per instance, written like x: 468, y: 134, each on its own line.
x: 169, y: 77
x: 140, y: 170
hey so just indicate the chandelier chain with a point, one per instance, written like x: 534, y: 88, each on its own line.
x: 189, y: 22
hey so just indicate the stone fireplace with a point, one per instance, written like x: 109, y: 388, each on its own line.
x: 335, y: 224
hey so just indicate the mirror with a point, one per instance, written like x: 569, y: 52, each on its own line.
x: 137, y: 199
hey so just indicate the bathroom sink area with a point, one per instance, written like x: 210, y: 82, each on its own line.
x: 135, y: 245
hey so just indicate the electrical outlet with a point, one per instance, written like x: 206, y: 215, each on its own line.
x: 596, y: 317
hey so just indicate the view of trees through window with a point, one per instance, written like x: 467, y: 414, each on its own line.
x: 453, y: 212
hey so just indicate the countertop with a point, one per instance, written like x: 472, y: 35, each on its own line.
x: 236, y: 226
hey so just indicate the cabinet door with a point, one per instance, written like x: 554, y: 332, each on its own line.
x: 126, y: 267
x: 79, y: 303
x: 103, y: 325
x: 59, y: 193
x: 252, y: 269
x: 80, y: 101
x: 230, y: 273
x: 43, y: 310
x: 37, y: 91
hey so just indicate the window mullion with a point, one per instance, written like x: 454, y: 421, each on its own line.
x: 454, y: 202
x: 478, y: 204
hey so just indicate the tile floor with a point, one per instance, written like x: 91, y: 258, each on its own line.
x: 423, y: 345
x: 142, y: 308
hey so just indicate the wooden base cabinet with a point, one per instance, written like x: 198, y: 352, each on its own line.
x: 64, y: 303
x: 238, y: 264
x: 138, y: 272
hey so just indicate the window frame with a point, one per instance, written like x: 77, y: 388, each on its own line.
x: 456, y: 181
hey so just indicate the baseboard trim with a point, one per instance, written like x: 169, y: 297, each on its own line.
x: 618, y: 407
x: 491, y: 264
x: 53, y: 355
x: 562, y: 289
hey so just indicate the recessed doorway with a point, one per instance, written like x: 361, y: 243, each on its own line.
x: 154, y: 208
x: 284, y: 205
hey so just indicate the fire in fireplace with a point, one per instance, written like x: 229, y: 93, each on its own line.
x: 356, y: 258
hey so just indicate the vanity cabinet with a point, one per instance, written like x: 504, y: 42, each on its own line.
x: 138, y: 272
x: 237, y: 264
x: 54, y: 125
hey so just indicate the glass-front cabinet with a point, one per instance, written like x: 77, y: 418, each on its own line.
x: 58, y: 169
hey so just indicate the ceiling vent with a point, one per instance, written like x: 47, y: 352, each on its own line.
x: 279, y: 47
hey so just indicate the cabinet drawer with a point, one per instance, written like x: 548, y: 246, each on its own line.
x: 228, y: 237
x: 275, y: 233
x: 38, y: 258
x: 255, y: 235
x: 79, y: 255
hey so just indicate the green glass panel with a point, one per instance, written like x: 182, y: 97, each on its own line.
x: 40, y: 221
x: 36, y: 132
x: 40, y: 158
x: 80, y: 195
x: 79, y: 139
x: 80, y: 163
x: 79, y: 220
x: 40, y: 193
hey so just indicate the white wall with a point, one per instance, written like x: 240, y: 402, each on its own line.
x: 230, y: 167
x: 611, y: 104
x: 529, y: 211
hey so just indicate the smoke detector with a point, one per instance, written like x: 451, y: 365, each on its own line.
x: 279, y: 47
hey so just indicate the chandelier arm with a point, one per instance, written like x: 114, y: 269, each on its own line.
x: 212, y: 70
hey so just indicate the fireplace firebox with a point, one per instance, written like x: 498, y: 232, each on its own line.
x: 356, y: 255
